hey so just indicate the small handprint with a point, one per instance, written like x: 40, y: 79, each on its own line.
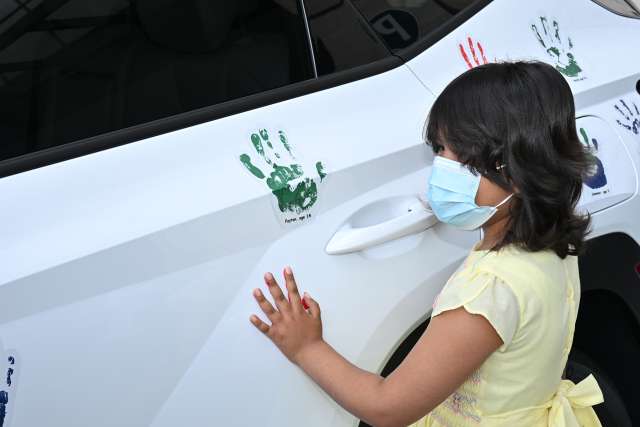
x: 465, y: 56
x: 631, y: 121
x: 559, y: 51
x: 4, y: 401
x: 10, y: 371
x: 597, y: 179
x: 6, y: 388
x: 295, y: 192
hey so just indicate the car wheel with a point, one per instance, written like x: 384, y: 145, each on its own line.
x: 612, y: 412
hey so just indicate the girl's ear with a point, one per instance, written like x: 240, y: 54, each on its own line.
x: 514, y: 187
x: 501, y: 168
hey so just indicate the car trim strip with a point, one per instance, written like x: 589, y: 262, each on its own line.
x: 303, y: 12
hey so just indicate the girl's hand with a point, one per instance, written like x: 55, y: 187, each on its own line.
x: 293, y: 329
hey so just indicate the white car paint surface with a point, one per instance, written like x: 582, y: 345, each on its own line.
x: 163, y: 284
x: 126, y: 275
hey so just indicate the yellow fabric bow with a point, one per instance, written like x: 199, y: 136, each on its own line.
x: 572, y: 404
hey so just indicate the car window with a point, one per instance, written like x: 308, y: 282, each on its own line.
x: 401, y: 23
x: 622, y: 7
x: 71, y: 70
x: 340, y: 36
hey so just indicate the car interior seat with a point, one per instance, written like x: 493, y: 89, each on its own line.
x: 196, y: 59
x: 163, y: 58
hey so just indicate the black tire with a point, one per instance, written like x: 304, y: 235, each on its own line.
x: 612, y: 412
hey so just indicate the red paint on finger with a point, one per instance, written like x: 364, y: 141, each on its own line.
x: 464, y: 56
x: 304, y: 304
x: 484, y: 58
x: 473, y: 51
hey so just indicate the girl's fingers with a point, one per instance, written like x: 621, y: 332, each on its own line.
x: 276, y: 293
x: 258, y: 323
x: 292, y: 290
x: 265, y: 305
x: 314, y: 307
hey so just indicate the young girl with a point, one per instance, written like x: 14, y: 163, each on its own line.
x: 508, y: 159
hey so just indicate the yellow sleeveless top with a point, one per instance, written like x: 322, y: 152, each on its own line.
x: 531, y: 299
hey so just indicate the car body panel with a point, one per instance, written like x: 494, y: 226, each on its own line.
x: 585, y: 30
x: 125, y: 286
x: 133, y: 269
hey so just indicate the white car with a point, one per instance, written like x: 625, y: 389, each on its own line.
x: 158, y: 156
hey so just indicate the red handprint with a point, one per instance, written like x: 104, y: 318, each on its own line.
x: 465, y: 56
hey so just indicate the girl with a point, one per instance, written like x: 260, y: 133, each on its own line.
x: 508, y: 159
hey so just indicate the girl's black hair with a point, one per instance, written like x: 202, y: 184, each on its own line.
x: 520, y: 115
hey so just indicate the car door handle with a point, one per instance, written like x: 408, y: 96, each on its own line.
x: 349, y: 239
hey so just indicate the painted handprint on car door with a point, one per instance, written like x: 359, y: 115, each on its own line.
x: 629, y: 116
x: 597, y: 180
x: 471, y: 54
x: 558, y: 48
x: 7, y: 386
x: 295, y: 190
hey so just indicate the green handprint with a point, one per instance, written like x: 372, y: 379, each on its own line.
x: 295, y: 197
x: 560, y: 52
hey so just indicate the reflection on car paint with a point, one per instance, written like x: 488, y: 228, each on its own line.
x: 558, y: 50
x: 295, y: 191
x: 398, y: 28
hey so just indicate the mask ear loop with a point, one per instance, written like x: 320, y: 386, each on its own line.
x: 499, y: 168
x: 504, y: 201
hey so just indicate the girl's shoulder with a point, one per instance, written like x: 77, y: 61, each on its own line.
x: 514, y: 263
x: 481, y: 292
x: 508, y: 287
x: 529, y: 275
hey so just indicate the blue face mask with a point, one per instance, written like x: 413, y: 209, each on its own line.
x: 451, y: 193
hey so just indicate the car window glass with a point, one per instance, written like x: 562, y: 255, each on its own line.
x: 400, y: 23
x: 75, y: 69
x: 621, y: 7
x: 341, y: 38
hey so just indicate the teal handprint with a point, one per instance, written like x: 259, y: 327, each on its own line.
x: 559, y: 51
x: 295, y: 192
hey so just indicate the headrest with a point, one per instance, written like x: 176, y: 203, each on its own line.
x: 193, y: 26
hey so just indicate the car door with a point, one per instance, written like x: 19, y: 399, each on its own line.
x: 149, y: 189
